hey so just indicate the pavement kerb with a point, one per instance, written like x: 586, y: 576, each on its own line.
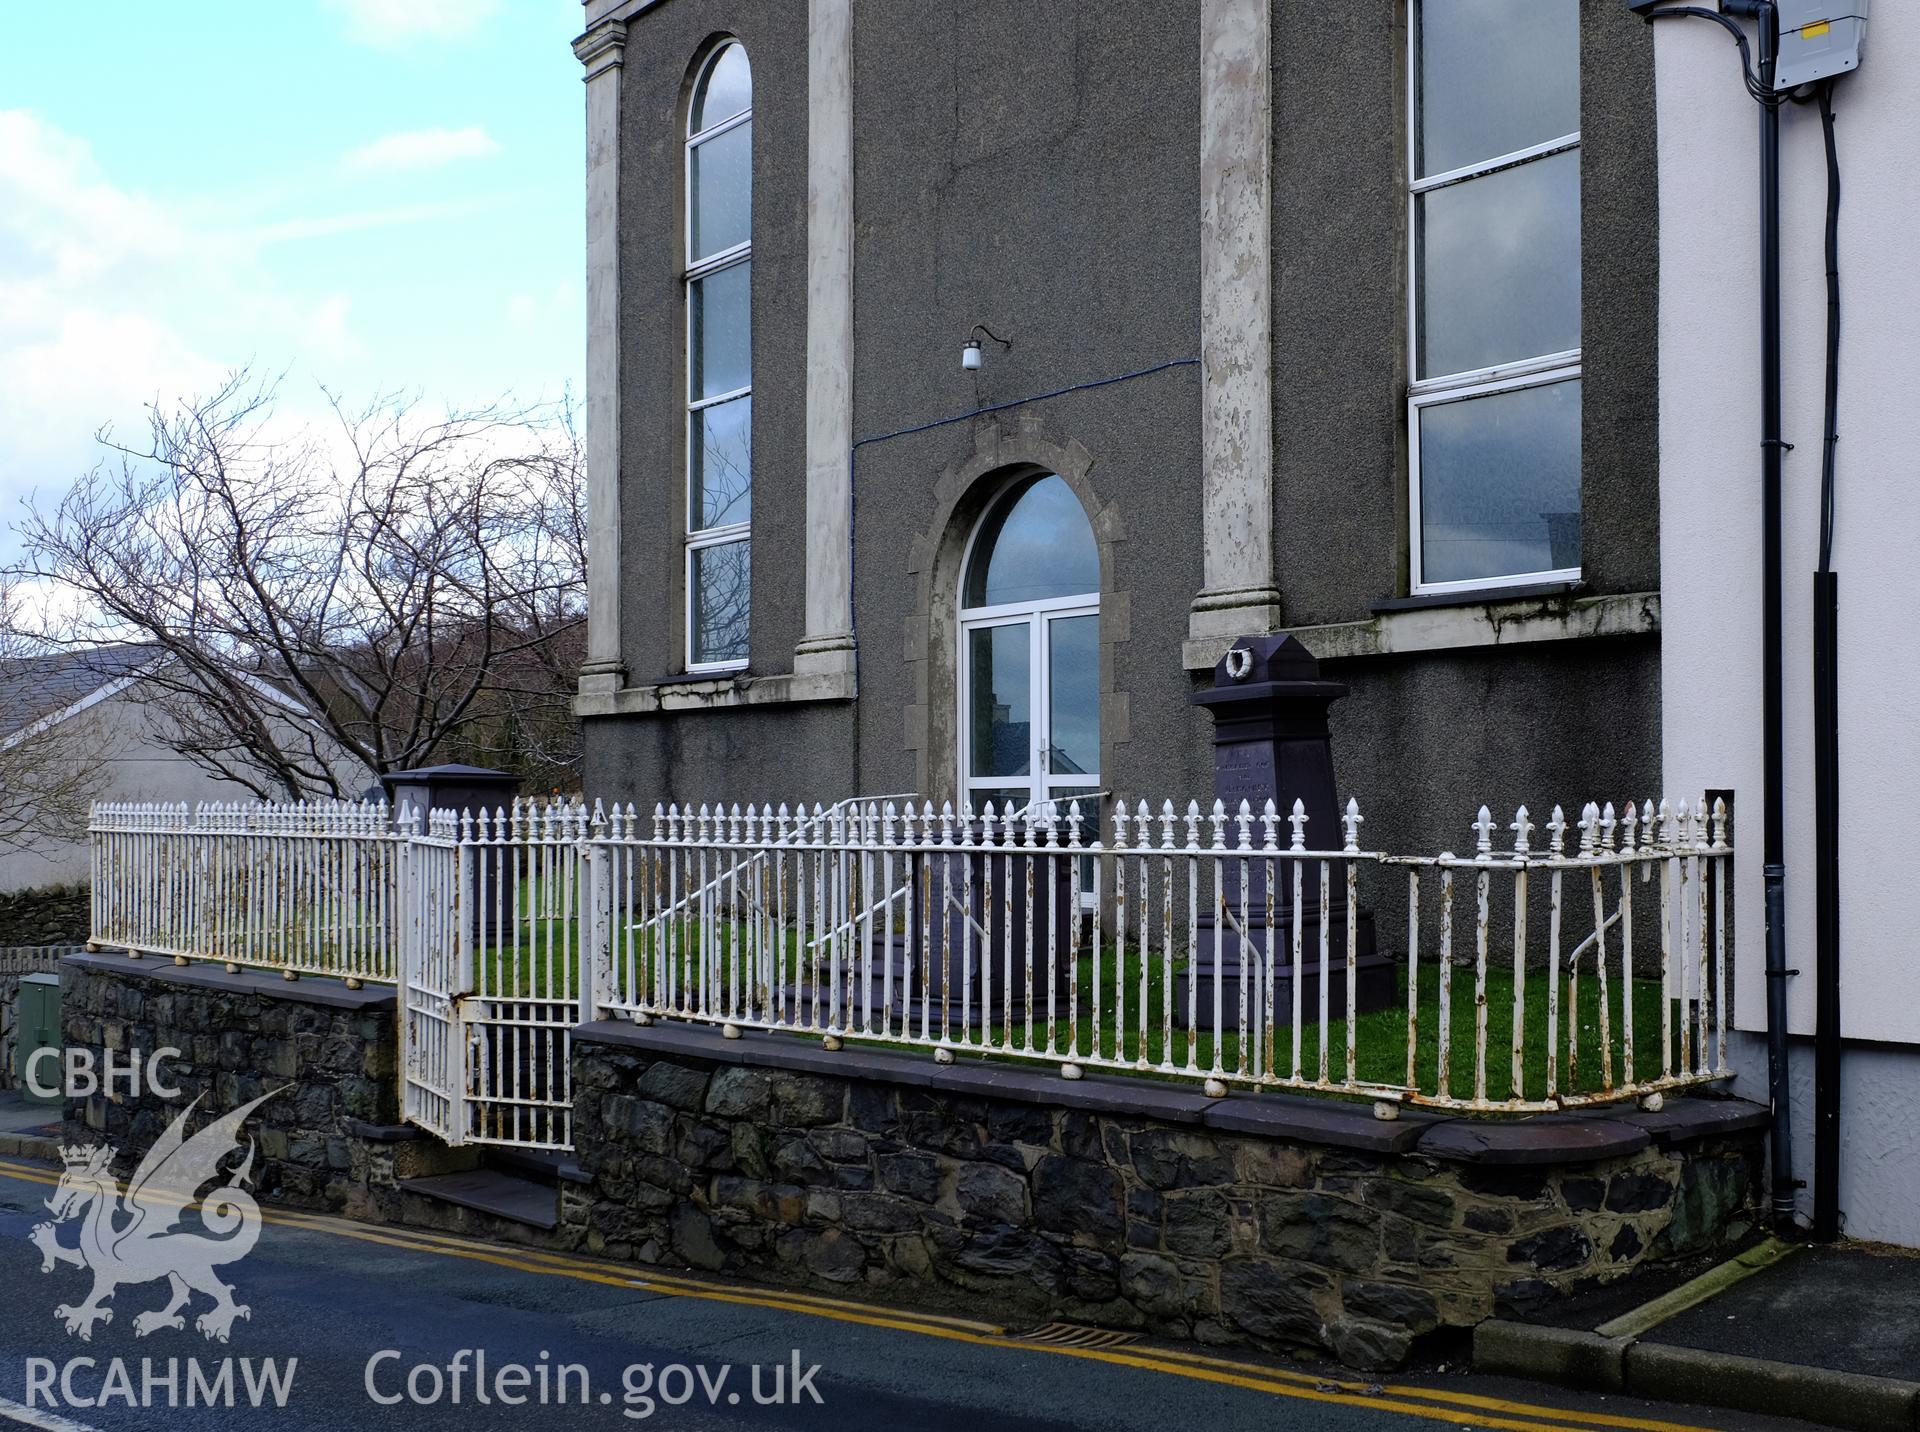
x: 30, y: 1146
x: 1613, y: 1359
x: 1568, y: 1357
x: 1751, y: 1384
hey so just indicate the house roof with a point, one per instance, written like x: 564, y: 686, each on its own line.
x: 35, y: 687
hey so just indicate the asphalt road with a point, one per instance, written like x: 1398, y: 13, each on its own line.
x: 350, y: 1314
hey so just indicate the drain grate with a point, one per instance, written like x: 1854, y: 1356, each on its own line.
x: 1074, y: 1335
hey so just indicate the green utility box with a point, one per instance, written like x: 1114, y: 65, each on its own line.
x: 37, y: 1026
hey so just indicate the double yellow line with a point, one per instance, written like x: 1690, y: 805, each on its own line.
x: 1435, y: 1404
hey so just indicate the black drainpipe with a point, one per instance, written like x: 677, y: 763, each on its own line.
x: 1772, y: 450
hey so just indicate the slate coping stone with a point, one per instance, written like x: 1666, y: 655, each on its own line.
x: 1270, y: 1115
x: 1585, y: 1136
x: 1320, y: 1121
x: 262, y: 984
x: 1540, y: 1139
x: 1683, y: 1121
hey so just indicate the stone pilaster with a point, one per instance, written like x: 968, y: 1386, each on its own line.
x: 601, y: 50
x: 1238, y: 596
x: 827, y: 649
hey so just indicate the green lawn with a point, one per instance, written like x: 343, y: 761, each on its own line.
x: 543, y: 963
x: 1381, y: 1038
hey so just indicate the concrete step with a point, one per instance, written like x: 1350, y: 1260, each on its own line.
x: 494, y: 1192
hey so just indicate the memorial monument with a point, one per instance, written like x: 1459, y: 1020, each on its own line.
x: 1269, y: 706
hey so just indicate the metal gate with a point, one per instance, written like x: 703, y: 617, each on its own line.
x: 497, y: 912
x: 432, y: 1043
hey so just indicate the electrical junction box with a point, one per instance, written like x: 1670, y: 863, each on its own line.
x: 39, y: 1028
x: 1818, y: 39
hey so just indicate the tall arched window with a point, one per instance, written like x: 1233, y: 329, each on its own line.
x: 719, y: 360
x: 1030, y: 651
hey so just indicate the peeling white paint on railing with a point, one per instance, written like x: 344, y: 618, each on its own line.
x: 303, y: 889
x: 1023, y: 935
x: 936, y: 928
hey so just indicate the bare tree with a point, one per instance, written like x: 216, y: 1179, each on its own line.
x: 50, y: 771
x: 391, y: 590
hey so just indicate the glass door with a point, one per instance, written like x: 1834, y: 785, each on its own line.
x: 1031, y: 699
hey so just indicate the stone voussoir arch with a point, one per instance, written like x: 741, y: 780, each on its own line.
x: 1001, y: 453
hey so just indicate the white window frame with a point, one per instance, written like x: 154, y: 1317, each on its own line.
x: 1424, y: 393
x: 1039, y: 615
x: 698, y: 539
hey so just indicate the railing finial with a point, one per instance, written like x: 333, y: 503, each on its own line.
x: 1557, y: 831
x: 1522, y: 829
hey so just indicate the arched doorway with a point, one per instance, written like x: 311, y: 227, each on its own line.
x: 1029, y: 652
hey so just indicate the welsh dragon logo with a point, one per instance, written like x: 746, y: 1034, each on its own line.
x: 131, y: 1237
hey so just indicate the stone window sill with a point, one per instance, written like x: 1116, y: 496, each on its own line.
x: 1513, y: 617
x: 1477, y: 597
x: 718, y: 693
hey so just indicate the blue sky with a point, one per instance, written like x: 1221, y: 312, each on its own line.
x: 370, y: 194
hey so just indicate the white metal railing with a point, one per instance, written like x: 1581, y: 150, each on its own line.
x: 306, y: 888
x: 1220, y: 947
x: 1228, y: 948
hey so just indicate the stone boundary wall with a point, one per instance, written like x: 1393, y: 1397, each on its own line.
x: 331, y: 1142
x: 1258, y: 1219
x: 51, y: 915
x: 997, y: 1191
x: 16, y: 961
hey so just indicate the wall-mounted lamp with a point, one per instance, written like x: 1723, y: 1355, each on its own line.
x: 970, y: 350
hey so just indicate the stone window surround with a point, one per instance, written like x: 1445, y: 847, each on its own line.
x: 961, y: 496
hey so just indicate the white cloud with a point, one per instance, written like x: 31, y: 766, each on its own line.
x: 390, y: 24
x: 421, y: 149
x: 326, y: 226
x: 110, y: 298
x: 560, y: 304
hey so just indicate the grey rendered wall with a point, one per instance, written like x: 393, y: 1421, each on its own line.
x: 766, y: 753
x: 1340, y: 308
x: 1424, y: 740
x: 1035, y: 168
x: 1620, y: 303
x: 773, y: 754
x: 1423, y: 743
x: 1038, y: 172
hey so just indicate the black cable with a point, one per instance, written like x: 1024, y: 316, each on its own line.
x: 1829, y: 500
x: 1755, y: 90
x: 1828, y: 1065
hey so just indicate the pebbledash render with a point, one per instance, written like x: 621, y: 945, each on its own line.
x: 963, y: 379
